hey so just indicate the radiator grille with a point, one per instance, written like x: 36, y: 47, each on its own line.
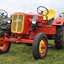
x: 17, y: 23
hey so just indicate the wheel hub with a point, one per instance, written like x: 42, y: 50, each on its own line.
x: 42, y: 47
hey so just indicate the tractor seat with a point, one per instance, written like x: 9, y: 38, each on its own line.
x: 50, y: 15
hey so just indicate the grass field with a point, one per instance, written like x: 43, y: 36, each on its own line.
x: 22, y: 54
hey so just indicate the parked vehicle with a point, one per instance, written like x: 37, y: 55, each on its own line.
x: 33, y: 29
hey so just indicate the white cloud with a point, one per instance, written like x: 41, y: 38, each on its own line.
x: 30, y: 5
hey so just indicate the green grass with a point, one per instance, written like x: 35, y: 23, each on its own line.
x: 22, y: 54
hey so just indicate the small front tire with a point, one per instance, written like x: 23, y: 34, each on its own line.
x: 40, y: 46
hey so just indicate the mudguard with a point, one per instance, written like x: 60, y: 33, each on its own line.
x: 58, y: 21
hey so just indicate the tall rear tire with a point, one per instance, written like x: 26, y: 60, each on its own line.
x: 40, y: 46
x: 59, y: 37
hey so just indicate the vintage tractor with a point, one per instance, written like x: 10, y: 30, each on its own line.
x: 33, y: 29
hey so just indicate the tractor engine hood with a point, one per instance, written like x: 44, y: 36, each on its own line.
x: 21, y: 22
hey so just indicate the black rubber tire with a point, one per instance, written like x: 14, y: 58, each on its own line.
x: 6, y: 50
x: 59, y: 37
x: 8, y: 45
x: 35, y: 46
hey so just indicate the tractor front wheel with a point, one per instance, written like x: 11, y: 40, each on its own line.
x: 4, y: 48
x: 40, y: 46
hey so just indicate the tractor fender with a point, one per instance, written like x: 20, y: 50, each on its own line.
x: 58, y: 21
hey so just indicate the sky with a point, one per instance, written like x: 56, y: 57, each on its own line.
x: 26, y: 6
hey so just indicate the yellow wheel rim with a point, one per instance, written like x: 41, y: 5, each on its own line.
x: 42, y: 47
x: 2, y: 46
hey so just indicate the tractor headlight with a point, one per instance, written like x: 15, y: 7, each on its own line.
x: 8, y: 22
x: 34, y: 21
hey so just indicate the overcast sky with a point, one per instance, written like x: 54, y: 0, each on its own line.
x: 30, y: 5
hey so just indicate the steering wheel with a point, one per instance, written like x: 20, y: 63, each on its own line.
x: 41, y: 9
x: 3, y: 12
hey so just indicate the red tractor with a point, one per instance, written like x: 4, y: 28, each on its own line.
x: 33, y: 29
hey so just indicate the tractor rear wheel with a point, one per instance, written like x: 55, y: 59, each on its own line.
x: 4, y: 48
x: 40, y: 46
x: 59, y: 37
